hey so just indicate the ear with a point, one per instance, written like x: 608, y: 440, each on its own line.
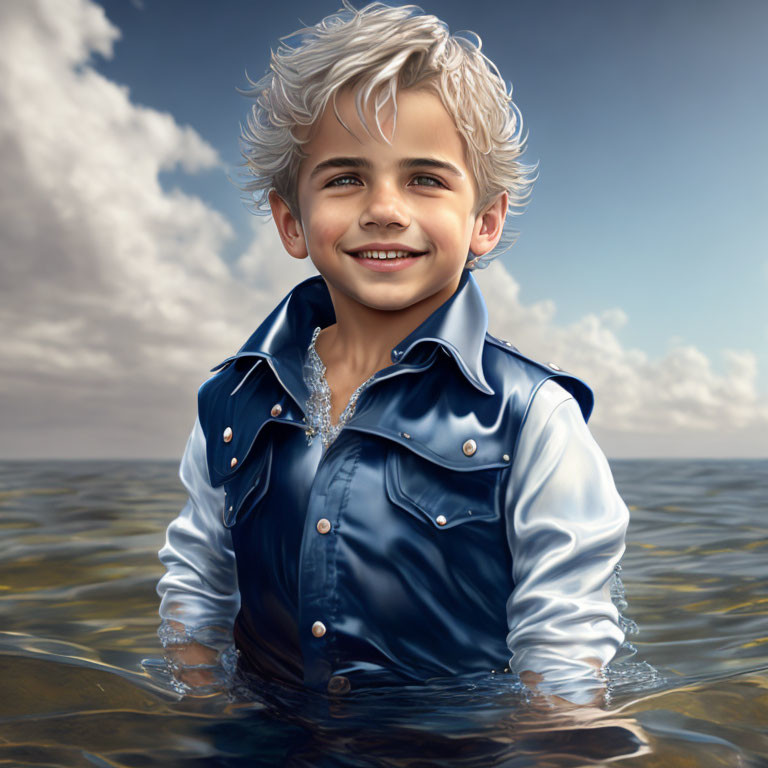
x: 489, y: 225
x: 289, y: 229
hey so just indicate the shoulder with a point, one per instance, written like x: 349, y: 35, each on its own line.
x: 546, y: 382
x: 506, y: 354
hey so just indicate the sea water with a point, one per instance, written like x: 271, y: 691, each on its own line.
x: 81, y: 679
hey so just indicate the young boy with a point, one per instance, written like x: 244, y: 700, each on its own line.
x: 380, y: 491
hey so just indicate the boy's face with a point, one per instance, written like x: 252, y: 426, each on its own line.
x: 357, y: 192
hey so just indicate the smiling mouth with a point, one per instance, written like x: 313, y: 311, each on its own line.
x: 385, y: 255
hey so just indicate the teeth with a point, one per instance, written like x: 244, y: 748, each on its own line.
x: 384, y: 254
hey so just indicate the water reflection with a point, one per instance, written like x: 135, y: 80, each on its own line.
x: 79, y: 614
x: 482, y: 723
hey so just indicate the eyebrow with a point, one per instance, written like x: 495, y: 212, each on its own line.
x: 407, y: 164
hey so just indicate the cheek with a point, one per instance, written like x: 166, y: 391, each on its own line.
x: 446, y: 224
x: 324, y: 229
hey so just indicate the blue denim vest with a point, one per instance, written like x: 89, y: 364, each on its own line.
x: 383, y: 559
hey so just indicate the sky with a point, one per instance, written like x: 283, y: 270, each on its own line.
x: 130, y: 265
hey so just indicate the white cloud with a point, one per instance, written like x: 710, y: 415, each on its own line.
x: 115, y: 301
x: 634, y: 394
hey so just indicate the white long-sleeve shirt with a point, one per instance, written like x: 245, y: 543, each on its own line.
x: 567, y: 536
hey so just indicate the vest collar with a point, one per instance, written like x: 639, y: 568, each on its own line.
x: 458, y: 325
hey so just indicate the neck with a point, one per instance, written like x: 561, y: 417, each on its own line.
x: 362, y: 338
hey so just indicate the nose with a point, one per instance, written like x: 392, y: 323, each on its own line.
x: 384, y: 208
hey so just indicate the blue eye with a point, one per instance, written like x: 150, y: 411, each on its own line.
x: 347, y: 181
x: 333, y: 183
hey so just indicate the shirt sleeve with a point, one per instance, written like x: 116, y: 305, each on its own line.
x: 566, y: 534
x: 199, y: 589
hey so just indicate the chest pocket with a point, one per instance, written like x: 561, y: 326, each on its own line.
x: 442, y: 497
x: 247, y: 486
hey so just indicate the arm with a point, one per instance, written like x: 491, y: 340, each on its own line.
x: 199, y: 592
x: 566, y: 529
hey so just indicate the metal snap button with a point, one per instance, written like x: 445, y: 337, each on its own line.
x: 469, y: 447
x: 227, y: 434
x: 318, y: 629
x: 505, y: 457
x: 233, y: 462
x: 277, y: 409
x: 440, y: 520
x: 323, y: 525
x: 339, y: 684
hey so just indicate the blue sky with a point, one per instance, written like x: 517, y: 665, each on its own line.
x: 646, y: 118
x: 130, y: 266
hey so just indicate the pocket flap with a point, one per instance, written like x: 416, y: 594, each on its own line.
x: 444, y: 497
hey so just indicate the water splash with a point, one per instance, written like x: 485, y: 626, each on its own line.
x: 624, y: 674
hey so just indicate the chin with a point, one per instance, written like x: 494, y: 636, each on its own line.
x: 390, y: 298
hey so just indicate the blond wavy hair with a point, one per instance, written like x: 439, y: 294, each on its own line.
x: 375, y: 51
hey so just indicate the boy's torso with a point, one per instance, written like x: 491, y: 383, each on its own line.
x: 384, y: 558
